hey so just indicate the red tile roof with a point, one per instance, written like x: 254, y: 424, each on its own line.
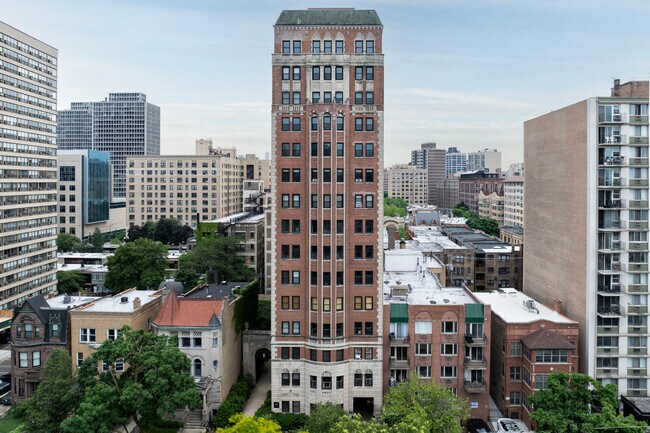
x: 189, y: 311
x: 546, y: 339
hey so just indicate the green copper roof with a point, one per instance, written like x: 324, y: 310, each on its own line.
x: 329, y: 17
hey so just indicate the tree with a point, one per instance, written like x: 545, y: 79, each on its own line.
x: 425, y: 406
x: 219, y: 254
x: 394, y: 211
x: 70, y: 281
x: 139, y: 264
x: 55, y: 397
x: 354, y: 424
x: 170, y: 231
x: 97, y: 240
x: 66, y: 242
x: 243, y: 424
x: 323, y: 417
x: 575, y: 402
x: 156, y: 382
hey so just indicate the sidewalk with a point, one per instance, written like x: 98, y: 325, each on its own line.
x: 258, y: 396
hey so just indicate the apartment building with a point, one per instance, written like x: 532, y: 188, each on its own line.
x: 512, y: 235
x: 487, y: 160
x: 189, y: 188
x: 327, y: 125
x: 38, y: 327
x: 529, y: 342
x: 124, y: 124
x: 441, y: 333
x: 595, y: 239
x: 513, y: 201
x: 433, y: 160
x: 447, y: 193
x: 28, y: 83
x: 470, y: 184
x: 85, y: 194
x: 98, y: 321
x: 455, y: 161
x: 406, y: 181
x: 491, y: 206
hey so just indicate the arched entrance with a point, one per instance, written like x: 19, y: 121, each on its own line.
x: 262, y: 364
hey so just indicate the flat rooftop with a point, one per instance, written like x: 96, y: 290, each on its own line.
x: 431, y: 239
x: 82, y: 255
x: 242, y: 217
x: 511, y: 306
x: 122, y: 302
x: 80, y: 267
x: 220, y: 290
x: 64, y: 302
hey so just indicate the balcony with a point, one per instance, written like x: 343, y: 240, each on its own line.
x: 637, y: 246
x: 638, y: 182
x: 637, y: 330
x: 609, y: 289
x: 638, y: 204
x: 638, y: 120
x: 611, y: 310
x: 638, y: 140
x: 637, y: 371
x: 611, y: 160
x: 472, y: 341
x: 607, y: 330
x: 399, y: 362
x: 476, y: 364
x: 637, y: 267
x: 637, y: 309
x: 399, y: 340
x: 637, y: 288
x: 611, y: 204
x: 475, y: 387
x: 638, y: 162
x: 607, y: 350
x: 637, y: 351
x: 607, y: 372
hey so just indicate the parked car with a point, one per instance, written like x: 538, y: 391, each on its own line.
x: 5, y: 387
x: 6, y: 401
x: 5, y: 378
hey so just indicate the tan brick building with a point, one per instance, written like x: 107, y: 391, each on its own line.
x: 491, y: 206
x: 529, y: 342
x: 327, y: 135
x: 408, y: 182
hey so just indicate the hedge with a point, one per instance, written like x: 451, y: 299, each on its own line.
x: 235, y: 402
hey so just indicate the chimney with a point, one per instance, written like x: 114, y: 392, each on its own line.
x: 137, y: 303
x: 213, y: 276
x: 391, y: 237
x: 402, y: 244
x: 557, y: 307
x: 617, y: 86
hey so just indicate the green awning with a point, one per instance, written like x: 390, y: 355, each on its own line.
x: 399, y: 313
x: 5, y: 324
x: 473, y: 313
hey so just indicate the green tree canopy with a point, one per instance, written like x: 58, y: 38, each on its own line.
x: 575, y: 402
x: 66, y: 242
x: 219, y: 254
x: 55, y: 397
x: 487, y: 225
x: 97, y: 240
x: 394, y: 211
x: 424, y: 406
x: 155, y: 383
x: 70, y: 281
x: 168, y: 231
x: 139, y: 264
x: 324, y: 417
x: 244, y: 424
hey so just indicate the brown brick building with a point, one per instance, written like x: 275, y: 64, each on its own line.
x: 327, y: 135
x: 470, y: 184
x: 529, y: 342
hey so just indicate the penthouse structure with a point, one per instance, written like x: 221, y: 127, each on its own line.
x: 327, y: 126
x: 595, y: 240
x: 28, y: 190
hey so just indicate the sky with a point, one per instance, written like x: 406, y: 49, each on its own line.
x: 463, y: 73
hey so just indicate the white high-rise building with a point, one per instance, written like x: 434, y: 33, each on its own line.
x: 488, y: 160
x: 28, y: 169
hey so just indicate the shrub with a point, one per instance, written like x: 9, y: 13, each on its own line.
x: 235, y: 402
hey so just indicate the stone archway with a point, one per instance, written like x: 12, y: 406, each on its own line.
x: 255, y: 344
x: 391, y: 225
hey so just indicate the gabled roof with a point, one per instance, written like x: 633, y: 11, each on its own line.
x: 546, y: 339
x: 190, y: 312
x: 328, y: 17
x: 37, y: 304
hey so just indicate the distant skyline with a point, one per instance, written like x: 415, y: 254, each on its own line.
x: 465, y: 73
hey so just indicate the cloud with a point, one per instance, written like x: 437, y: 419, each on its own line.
x: 445, y: 96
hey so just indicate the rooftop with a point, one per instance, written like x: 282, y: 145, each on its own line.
x: 65, y: 302
x: 515, y: 230
x: 546, y: 339
x: 122, y: 302
x: 245, y: 217
x: 189, y: 312
x: 216, y: 290
x: 514, y: 306
x: 328, y: 17
x: 81, y: 267
x: 430, y: 238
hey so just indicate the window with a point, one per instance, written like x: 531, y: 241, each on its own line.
x: 285, y: 328
x: 315, y: 75
x: 370, y: 47
x: 370, y: 201
x: 370, y: 175
x: 340, y: 126
x: 286, y: 47
x: 23, y: 360
x: 339, y: 202
x: 358, y: 328
x: 286, y: 149
x: 551, y: 355
x: 87, y: 335
x: 370, y: 124
x: 80, y: 358
x: 358, y: 73
x: 515, y: 348
x: 111, y: 334
x: 285, y: 200
x: 328, y: 47
x: 339, y: 47
x: 358, y: 123
x: 295, y: 199
x: 327, y: 72
x: 296, y: 47
x: 370, y: 98
x: 327, y: 123
x: 541, y: 381
x: 448, y: 372
x: 295, y: 124
x: 339, y: 152
x: 358, y: 98
x: 28, y: 330
x: 314, y: 127
x: 339, y: 304
x: 296, y: 98
x: 423, y: 348
x: 515, y: 373
x: 338, y: 73
x: 286, y: 175
x: 313, y: 382
x: 422, y: 327
x: 285, y: 73
x: 285, y: 379
x: 358, y: 201
x: 327, y: 97
x: 185, y: 341
x: 285, y: 406
x: 315, y: 47
x: 327, y: 357
x: 358, y: 47
x: 326, y: 382
x: 370, y: 150
x: 358, y: 150
x: 286, y: 124
x: 367, y: 379
x: 295, y: 151
x: 285, y: 98
x: 370, y: 73
x: 215, y: 341
x: 449, y: 327
x: 295, y: 353
x: 296, y: 72
x: 339, y: 381
x: 424, y: 371
x: 449, y: 349
x: 295, y: 277
x: 515, y: 398
x: 295, y: 175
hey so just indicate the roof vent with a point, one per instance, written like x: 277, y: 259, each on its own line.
x: 124, y: 299
x: 66, y: 299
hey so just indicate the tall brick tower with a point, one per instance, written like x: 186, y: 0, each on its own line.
x: 327, y: 114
